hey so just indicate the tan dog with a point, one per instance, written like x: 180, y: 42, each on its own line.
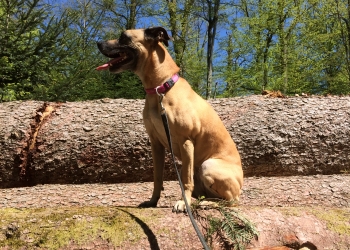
x: 211, y: 165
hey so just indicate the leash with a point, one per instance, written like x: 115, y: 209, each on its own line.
x: 167, y: 131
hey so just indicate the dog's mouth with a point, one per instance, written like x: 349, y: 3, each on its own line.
x: 122, y: 56
x: 116, y: 62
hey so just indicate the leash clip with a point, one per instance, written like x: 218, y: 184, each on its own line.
x: 161, y: 96
x: 157, y: 91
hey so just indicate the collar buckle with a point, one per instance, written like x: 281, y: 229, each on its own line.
x: 164, y: 87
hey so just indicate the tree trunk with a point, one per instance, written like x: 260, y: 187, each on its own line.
x: 179, y: 26
x: 268, y: 41
x: 285, y: 67
x: 213, y: 17
x: 173, y: 16
x: 105, y: 140
x: 131, y: 22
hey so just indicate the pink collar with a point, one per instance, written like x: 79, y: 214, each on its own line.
x: 164, y: 87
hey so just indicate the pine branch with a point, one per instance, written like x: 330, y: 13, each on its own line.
x: 229, y: 227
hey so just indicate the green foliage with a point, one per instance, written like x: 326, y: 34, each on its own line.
x: 188, y: 41
x: 128, y: 85
x: 48, y: 50
x: 290, y: 46
x: 53, y: 59
x: 28, y: 41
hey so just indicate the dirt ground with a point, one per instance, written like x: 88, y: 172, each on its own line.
x: 290, y: 212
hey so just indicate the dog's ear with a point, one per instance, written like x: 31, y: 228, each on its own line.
x: 158, y: 34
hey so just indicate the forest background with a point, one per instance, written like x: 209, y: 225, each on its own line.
x: 224, y: 48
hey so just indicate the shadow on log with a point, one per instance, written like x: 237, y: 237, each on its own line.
x: 105, y: 140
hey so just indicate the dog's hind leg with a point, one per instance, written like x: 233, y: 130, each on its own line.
x: 221, y: 179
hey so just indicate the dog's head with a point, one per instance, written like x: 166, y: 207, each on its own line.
x: 126, y: 51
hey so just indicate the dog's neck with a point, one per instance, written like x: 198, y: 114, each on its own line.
x: 157, y: 68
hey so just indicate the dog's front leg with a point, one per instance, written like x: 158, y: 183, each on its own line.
x: 187, y: 157
x: 158, y: 155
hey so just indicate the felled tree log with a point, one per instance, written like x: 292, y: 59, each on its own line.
x: 105, y: 140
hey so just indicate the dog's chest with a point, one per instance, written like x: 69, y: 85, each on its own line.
x: 155, y: 128
x: 152, y: 117
x: 154, y: 125
x: 157, y: 123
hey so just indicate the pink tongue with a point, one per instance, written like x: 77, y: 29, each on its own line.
x: 103, y: 67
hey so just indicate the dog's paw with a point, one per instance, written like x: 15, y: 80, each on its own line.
x: 179, y: 207
x: 148, y: 204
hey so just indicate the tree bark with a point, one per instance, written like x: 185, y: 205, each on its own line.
x: 105, y: 140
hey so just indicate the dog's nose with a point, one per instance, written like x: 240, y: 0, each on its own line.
x: 102, y: 44
x: 99, y: 43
